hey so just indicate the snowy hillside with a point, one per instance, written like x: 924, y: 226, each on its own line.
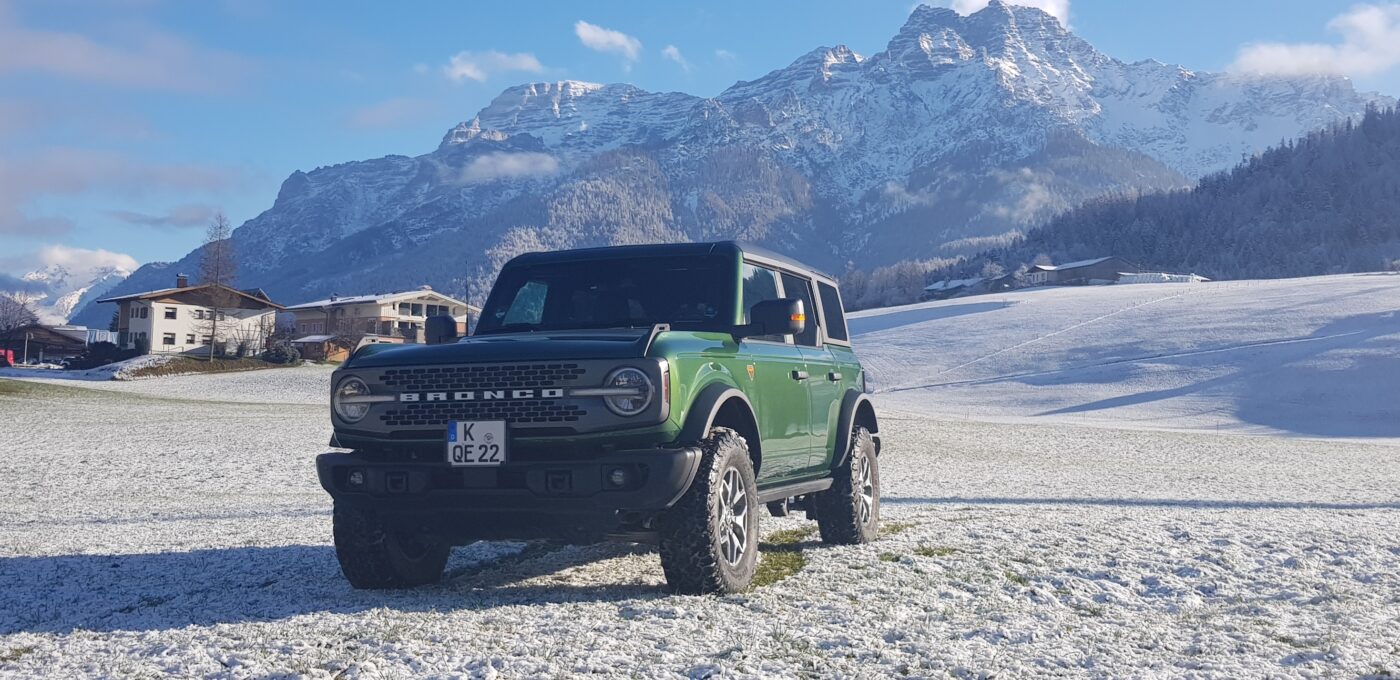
x: 1312, y: 357
x: 962, y: 126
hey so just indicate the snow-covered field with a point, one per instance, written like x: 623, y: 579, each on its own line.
x: 1314, y: 357
x: 174, y: 526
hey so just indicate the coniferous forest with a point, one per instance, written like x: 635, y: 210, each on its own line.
x: 1324, y: 204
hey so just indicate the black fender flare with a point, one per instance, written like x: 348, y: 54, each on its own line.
x: 705, y: 406
x: 851, y: 405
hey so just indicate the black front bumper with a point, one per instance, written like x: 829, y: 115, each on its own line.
x: 524, y: 499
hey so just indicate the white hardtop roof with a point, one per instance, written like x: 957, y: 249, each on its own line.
x: 377, y: 298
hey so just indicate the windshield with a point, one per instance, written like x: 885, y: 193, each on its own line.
x: 686, y: 292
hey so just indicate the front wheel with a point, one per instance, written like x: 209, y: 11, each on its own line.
x: 849, y: 512
x: 709, y: 540
x: 374, y: 554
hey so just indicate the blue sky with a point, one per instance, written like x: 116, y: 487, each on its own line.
x: 122, y: 124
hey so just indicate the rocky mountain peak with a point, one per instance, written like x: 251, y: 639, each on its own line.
x: 965, y: 127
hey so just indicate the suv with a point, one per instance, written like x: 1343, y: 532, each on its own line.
x: 660, y: 393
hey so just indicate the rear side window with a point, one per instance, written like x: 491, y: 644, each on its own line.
x: 835, y: 320
x: 797, y: 287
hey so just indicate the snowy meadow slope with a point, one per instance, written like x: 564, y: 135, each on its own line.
x: 1313, y: 357
x: 175, y: 526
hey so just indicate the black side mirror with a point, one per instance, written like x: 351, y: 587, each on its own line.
x: 440, y: 329
x: 783, y: 316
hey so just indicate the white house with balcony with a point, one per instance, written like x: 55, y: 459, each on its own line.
x: 396, y: 317
x: 186, y: 319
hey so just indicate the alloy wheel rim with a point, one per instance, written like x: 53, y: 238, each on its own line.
x: 866, y: 498
x: 734, y: 513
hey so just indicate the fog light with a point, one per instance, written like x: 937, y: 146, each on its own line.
x: 618, y: 477
x: 356, y: 478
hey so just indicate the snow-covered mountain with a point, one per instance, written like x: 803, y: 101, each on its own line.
x: 55, y: 292
x: 964, y: 126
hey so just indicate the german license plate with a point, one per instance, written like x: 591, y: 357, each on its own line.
x: 476, y: 442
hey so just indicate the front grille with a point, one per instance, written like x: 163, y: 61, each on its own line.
x: 438, y: 413
x: 495, y: 377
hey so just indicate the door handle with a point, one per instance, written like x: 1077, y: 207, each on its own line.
x: 833, y: 376
x: 799, y: 375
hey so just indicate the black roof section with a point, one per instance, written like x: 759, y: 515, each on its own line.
x: 663, y: 250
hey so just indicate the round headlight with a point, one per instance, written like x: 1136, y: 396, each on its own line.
x: 346, y: 400
x: 638, y: 395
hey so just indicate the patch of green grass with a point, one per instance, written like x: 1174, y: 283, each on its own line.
x: 935, y: 551
x: 781, y: 555
x: 14, y: 654
x: 776, y: 566
x: 784, y: 537
x: 892, y: 528
x: 1017, y: 578
x: 185, y: 365
x: 889, y: 557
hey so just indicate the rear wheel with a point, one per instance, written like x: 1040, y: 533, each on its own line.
x: 709, y: 540
x: 374, y: 554
x: 849, y: 512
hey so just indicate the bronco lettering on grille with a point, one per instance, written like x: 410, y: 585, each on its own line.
x: 483, y: 395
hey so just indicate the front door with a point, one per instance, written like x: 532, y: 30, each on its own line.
x: 779, y: 387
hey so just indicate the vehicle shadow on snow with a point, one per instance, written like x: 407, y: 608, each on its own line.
x: 160, y: 591
x: 1200, y: 504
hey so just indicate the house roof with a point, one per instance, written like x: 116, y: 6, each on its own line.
x: 260, y: 298
x: 48, y: 335
x: 377, y: 298
x: 1072, y: 265
x: 953, y: 284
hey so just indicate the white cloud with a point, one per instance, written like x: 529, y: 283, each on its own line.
x: 83, y: 260
x: 674, y: 54
x: 389, y: 113
x: 70, y: 172
x: 503, y: 165
x: 1055, y: 8
x: 725, y: 55
x: 143, y: 58
x: 82, y: 264
x: 1370, y: 44
x: 607, y: 40
x: 479, y: 66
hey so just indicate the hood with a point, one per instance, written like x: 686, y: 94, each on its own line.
x: 540, y: 346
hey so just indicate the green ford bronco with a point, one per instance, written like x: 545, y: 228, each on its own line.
x: 659, y: 393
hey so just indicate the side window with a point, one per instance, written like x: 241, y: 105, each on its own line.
x: 528, y: 305
x: 835, y: 321
x: 798, y: 287
x: 760, y: 283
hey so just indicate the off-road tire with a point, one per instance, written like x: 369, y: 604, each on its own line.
x: 849, y: 512
x: 696, y: 536
x: 374, y: 555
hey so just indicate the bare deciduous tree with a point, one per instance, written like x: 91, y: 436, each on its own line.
x: 15, y: 312
x: 218, y: 266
